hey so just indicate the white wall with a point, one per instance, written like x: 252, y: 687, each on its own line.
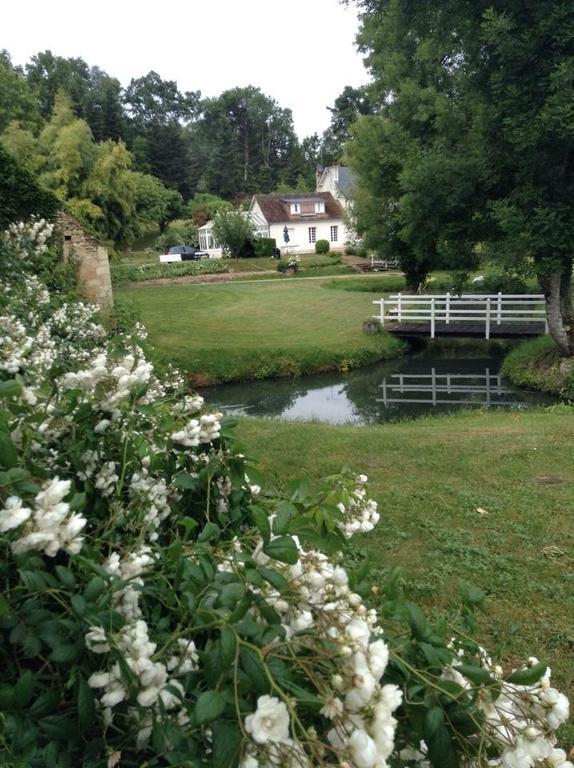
x: 299, y: 235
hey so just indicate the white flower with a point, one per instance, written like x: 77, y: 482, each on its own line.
x: 270, y: 722
x: 96, y: 640
x: 13, y: 514
x: 363, y: 749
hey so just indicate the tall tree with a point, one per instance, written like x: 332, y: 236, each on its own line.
x: 247, y: 142
x: 483, y: 93
x: 158, y: 112
x: 18, y: 100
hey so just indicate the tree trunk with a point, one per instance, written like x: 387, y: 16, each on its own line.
x: 556, y: 288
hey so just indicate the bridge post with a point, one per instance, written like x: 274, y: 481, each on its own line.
x: 400, y: 308
x: 499, y: 309
x: 487, y: 329
x: 432, y: 319
x: 447, y: 308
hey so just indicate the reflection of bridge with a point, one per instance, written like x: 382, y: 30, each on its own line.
x: 438, y: 389
x: 469, y: 314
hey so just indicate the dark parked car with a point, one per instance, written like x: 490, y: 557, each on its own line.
x: 182, y: 253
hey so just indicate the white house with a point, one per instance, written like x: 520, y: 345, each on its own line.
x: 338, y: 180
x: 304, y: 218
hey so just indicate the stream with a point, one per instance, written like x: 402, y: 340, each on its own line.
x: 432, y: 381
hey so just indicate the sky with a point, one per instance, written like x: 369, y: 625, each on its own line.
x: 302, y: 53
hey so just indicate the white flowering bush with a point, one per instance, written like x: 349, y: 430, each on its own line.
x: 159, y: 607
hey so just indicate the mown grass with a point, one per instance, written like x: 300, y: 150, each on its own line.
x: 240, y: 331
x: 430, y: 477
x: 537, y: 364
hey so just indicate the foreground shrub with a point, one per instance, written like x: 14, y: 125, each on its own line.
x: 160, y: 608
x: 322, y: 247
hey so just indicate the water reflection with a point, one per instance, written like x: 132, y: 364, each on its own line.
x: 388, y: 392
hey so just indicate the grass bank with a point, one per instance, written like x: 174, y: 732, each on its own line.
x: 536, y: 364
x: 242, y: 331
x: 484, y: 497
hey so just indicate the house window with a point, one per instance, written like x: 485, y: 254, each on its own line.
x: 334, y: 234
x: 312, y: 234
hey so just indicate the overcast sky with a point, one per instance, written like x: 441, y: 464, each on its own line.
x: 300, y: 52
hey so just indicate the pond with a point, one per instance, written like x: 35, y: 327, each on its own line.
x: 405, y: 388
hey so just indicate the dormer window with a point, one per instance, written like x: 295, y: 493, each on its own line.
x: 320, y: 207
x: 294, y: 207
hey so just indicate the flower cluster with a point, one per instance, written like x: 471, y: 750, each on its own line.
x: 360, y: 513
x: 47, y: 528
x: 29, y: 238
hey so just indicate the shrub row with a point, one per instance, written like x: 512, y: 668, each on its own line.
x: 131, y: 273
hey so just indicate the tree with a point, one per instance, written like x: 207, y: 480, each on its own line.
x: 483, y: 98
x: 247, y: 144
x: 158, y: 110
x: 155, y: 203
x: 70, y: 150
x: 20, y: 195
x: 111, y: 186
x: 204, y: 207
x: 24, y: 146
x: 232, y: 229
x: 18, y: 101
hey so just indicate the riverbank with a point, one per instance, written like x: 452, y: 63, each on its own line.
x: 537, y: 365
x: 255, y: 330
x: 483, y: 497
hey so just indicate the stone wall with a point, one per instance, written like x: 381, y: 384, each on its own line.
x: 94, y: 277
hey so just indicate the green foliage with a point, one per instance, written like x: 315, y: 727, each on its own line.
x: 204, y: 207
x: 20, y: 195
x: 536, y: 364
x: 181, y: 232
x: 471, y: 153
x: 322, y: 246
x: 232, y: 229
x: 18, y: 101
x: 264, y: 246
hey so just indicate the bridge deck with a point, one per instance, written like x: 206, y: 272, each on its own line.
x: 504, y: 330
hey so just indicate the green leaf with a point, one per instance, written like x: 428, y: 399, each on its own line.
x: 185, y: 481
x: 298, y: 489
x: 65, y: 653
x: 261, y: 520
x: 33, y: 580
x: 8, y: 453
x: 66, y: 576
x: 441, y: 750
x: 228, y: 644
x: 274, y: 578
x: 417, y: 621
x: 94, y: 588
x: 86, y: 705
x: 283, y: 548
x: 528, y: 676
x: 226, y: 744
x: 46, y: 703
x: 23, y: 690
x: 78, y: 604
x: 208, y: 707
x: 231, y: 594
x: 253, y: 668
x: 285, y: 511
x: 9, y: 388
x: 4, y: 607
x: 476, y: 675
x: 434, y: 719
x: 210, y: 532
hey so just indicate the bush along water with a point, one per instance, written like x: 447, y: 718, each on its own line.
x: 160, y: 607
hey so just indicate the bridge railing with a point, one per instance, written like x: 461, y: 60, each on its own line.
x: 445, y: 388
x: 491, y: 309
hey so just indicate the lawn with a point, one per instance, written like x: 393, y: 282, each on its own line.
x: 431, y: 477
x: 224, y: 332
